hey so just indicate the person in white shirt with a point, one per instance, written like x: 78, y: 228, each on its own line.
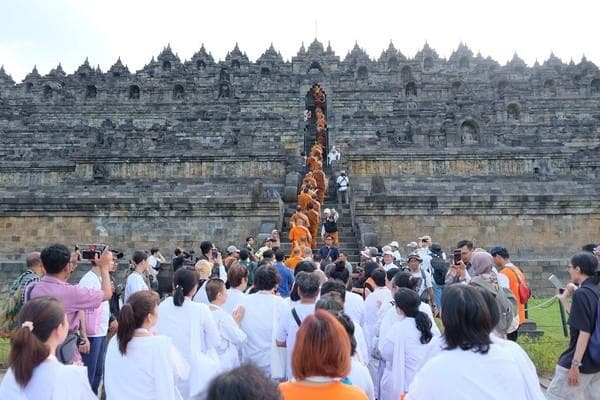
x: 388, y: 261
x: 426, y: 289
x: 359, y: 373
x: 154, y: 261
x: 342, y: 182
x: 140, y: 365
x: 469, y: 354
x: 193, y: 330
x: 405, y: 344
x: 308, y: 290
x: 34, y: 372
x: 354, y: 305
x: 262, y: 311
x: 135, y: 280
x: 96, y: 327
x: 395, y: 251
x: 381, y: 295
x: 237, y: 276
x: 232, y: 337
x: 334, y: 155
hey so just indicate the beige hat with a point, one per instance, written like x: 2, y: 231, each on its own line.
x: 203, y: 269
x: 394, y: 244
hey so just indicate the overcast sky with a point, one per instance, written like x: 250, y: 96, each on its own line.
x: 46, y: 32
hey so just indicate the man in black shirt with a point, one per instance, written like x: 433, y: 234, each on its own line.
x: 577, y: 376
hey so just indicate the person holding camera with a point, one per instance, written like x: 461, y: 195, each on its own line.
x: 59, y: 263
x: 330, y: 225
x: 342, y: 182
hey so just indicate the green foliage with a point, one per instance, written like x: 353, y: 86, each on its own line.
x: 544, y: 352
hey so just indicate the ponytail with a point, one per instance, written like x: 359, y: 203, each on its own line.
x: 178, y: 296
x: 424, y: 326
x: 126, y: 327
x: 185, y: 281
x: 408, y: 301
x: 133, y: 314
x: 39, y: 317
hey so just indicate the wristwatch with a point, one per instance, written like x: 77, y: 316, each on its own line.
x: 576, y: 363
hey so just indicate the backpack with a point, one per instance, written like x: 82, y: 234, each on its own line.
x: 440, y: 268
x: 330, y: 226
x: 524, y: 290
x: 9, y: 310
x: 593, y: 347
x: 507, y: 305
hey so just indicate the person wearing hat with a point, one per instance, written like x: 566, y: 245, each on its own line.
x: 233, y: 254
x: 342, y: 183
x: 388, y: 261
x: 426, y: 288
x: 395, y: 252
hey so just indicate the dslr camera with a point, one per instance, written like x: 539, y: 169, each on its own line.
x: 90, y: 251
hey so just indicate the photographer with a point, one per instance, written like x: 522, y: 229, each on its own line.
x: 342, y: 188
x: 178, y: 260
x: 330, y: 225
x: 211, y: 254
x: 58, y: 264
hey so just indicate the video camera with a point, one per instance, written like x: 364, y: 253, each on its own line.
x: 90, y: 251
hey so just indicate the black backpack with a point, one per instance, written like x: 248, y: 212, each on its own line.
x: 439, y: 266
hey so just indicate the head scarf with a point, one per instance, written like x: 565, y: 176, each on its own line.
x: 482, y: 264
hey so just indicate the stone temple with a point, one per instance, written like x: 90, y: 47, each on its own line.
x: 181, y: 151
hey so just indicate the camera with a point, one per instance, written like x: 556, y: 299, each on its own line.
x: 90, y: 251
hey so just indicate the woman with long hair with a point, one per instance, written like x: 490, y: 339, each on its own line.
x: 470, y: 365
x: 193, y: 330
x: 34, y: 372
x: 139, y: 364
x: 321, y: 359
x: 404, y: 345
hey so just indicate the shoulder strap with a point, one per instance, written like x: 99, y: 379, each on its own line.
x: 296, y: 317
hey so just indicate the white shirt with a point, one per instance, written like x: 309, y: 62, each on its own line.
x: 194, y: 333
x: 387, y: 267
x: 288, y: 328
x: 232, y: 338
x: 333, y: 156
x: 150, y: 369
x: 373, y: 303
x: 425, y: 283
x: 360, y: 377
x: 201, y: 296
x: 342, y: 182
x: 91, y: 280
x: 235, y: 297
x: 354, y: 307
x: 135, y: 283
x: 403, y: 353
x: 262, y: 311
x: 152, y: 261
x: 51, y: 380
x: 496, y: 375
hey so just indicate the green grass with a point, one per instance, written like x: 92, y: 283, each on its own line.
x: 544, y: 352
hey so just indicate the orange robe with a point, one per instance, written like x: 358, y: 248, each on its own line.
x: 321, y: 184
x: 309, y: 182
x: 296, y: 234
x: 315, y: 221
x: 304, y: 199
x: 293, y: 261
x: 313, y: 163
x: 316, y: 206
x: 301, y: 216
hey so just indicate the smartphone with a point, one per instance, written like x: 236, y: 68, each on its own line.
x: 556, y: 282
x: 90, y: 251
x: 214, y: 253
x: 457, y: 256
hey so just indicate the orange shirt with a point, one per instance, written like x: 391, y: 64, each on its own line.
x: 511, y: 274
x: 304, y: 199
x: 301, y: 216
x: 335, y: 390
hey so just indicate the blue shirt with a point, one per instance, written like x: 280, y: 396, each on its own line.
x: 287, y: 279
x: 331, y: 252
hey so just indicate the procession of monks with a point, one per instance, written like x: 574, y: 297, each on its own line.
x: 306, y: 220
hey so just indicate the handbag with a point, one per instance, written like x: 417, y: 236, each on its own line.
x: 66, y: 352
x: 278, y: 354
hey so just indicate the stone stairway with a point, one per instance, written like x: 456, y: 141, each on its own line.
x: 349, y: 243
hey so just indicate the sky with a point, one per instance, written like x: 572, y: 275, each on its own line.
x: 44, y: 33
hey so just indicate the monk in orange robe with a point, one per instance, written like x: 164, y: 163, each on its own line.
x: 315, y: 221
x: 316, y: 204
x: 296, y: 257
x: 321, y: 184
x: 309, y: 181
x: 313, y: 163
x: 304, y: 198
x: 298, y: 232
x: 301, y: 215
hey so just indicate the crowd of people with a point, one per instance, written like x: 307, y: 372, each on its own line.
x: 248, y: 326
